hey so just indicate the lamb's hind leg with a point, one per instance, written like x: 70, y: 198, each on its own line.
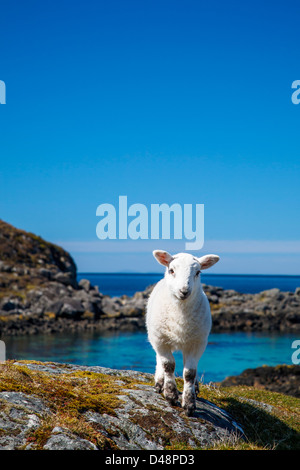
x: 197, y: 384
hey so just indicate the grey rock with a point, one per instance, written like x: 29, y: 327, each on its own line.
x: 66, y: 279
x: 62, y: 439
x: 144, y: 412
x: 271, y: 292
x: 84, y: 284
x: 55, y: 307
x: 23, y: 416
x: 47, y: 273
x: 71, y: 307
x: 31, y: 403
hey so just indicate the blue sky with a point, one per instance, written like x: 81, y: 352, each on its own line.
x: 162, y: 101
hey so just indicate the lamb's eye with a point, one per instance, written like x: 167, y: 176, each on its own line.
x: 171, y: 271
x: 197, y: 273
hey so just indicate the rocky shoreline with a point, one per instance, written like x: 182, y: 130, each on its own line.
x: 58, y: 307
x: 39, y: 293
x: 281, y: 379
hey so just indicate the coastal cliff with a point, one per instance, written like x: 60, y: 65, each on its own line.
x: 39, y: 292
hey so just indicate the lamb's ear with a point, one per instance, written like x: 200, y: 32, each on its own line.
x: 207, y: 261
x: 163, y: 257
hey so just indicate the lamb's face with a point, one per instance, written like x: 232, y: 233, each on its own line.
x: 183, y: 271
x: 183, y: 275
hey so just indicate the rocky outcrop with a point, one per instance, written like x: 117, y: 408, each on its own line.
x: 26, y: 260
x: 270, y: 310
x: 39, y: 292
x: 282, y: 379
x: 52, y: 406
x: 140, y: 418
x: 55, y: 307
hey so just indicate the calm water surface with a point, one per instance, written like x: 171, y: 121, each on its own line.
x: 226, y: 354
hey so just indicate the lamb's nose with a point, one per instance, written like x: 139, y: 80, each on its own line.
x: 184, y: 292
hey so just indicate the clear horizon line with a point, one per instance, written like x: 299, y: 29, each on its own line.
x: 205, y: 274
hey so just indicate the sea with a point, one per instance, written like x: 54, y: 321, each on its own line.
x: 226, y: 354
x: 117, y: 284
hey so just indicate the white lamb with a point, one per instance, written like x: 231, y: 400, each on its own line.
x: 178, y: 319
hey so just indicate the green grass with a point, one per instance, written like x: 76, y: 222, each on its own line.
x: 275, y: 429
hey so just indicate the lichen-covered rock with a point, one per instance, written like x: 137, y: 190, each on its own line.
x: 140, y: 418
x: 20, y: 414
x: 62, y: 439
x: 146, y: 421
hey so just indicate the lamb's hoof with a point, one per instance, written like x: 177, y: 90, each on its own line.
x: 173, y: 401
x: 171, y: 394
x: 159, y: 387
x: 189, y: 409
x: 189, y: 404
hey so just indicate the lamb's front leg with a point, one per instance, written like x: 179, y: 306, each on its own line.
x: 159, y: 375
x: 189, y: 393
x: 189, y: 388
x: 166, y: 365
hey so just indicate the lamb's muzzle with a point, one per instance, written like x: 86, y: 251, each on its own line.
x: 178, y: 318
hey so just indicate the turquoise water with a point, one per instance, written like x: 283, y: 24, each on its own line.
x: 117, y: 284
x: 226, y: 353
